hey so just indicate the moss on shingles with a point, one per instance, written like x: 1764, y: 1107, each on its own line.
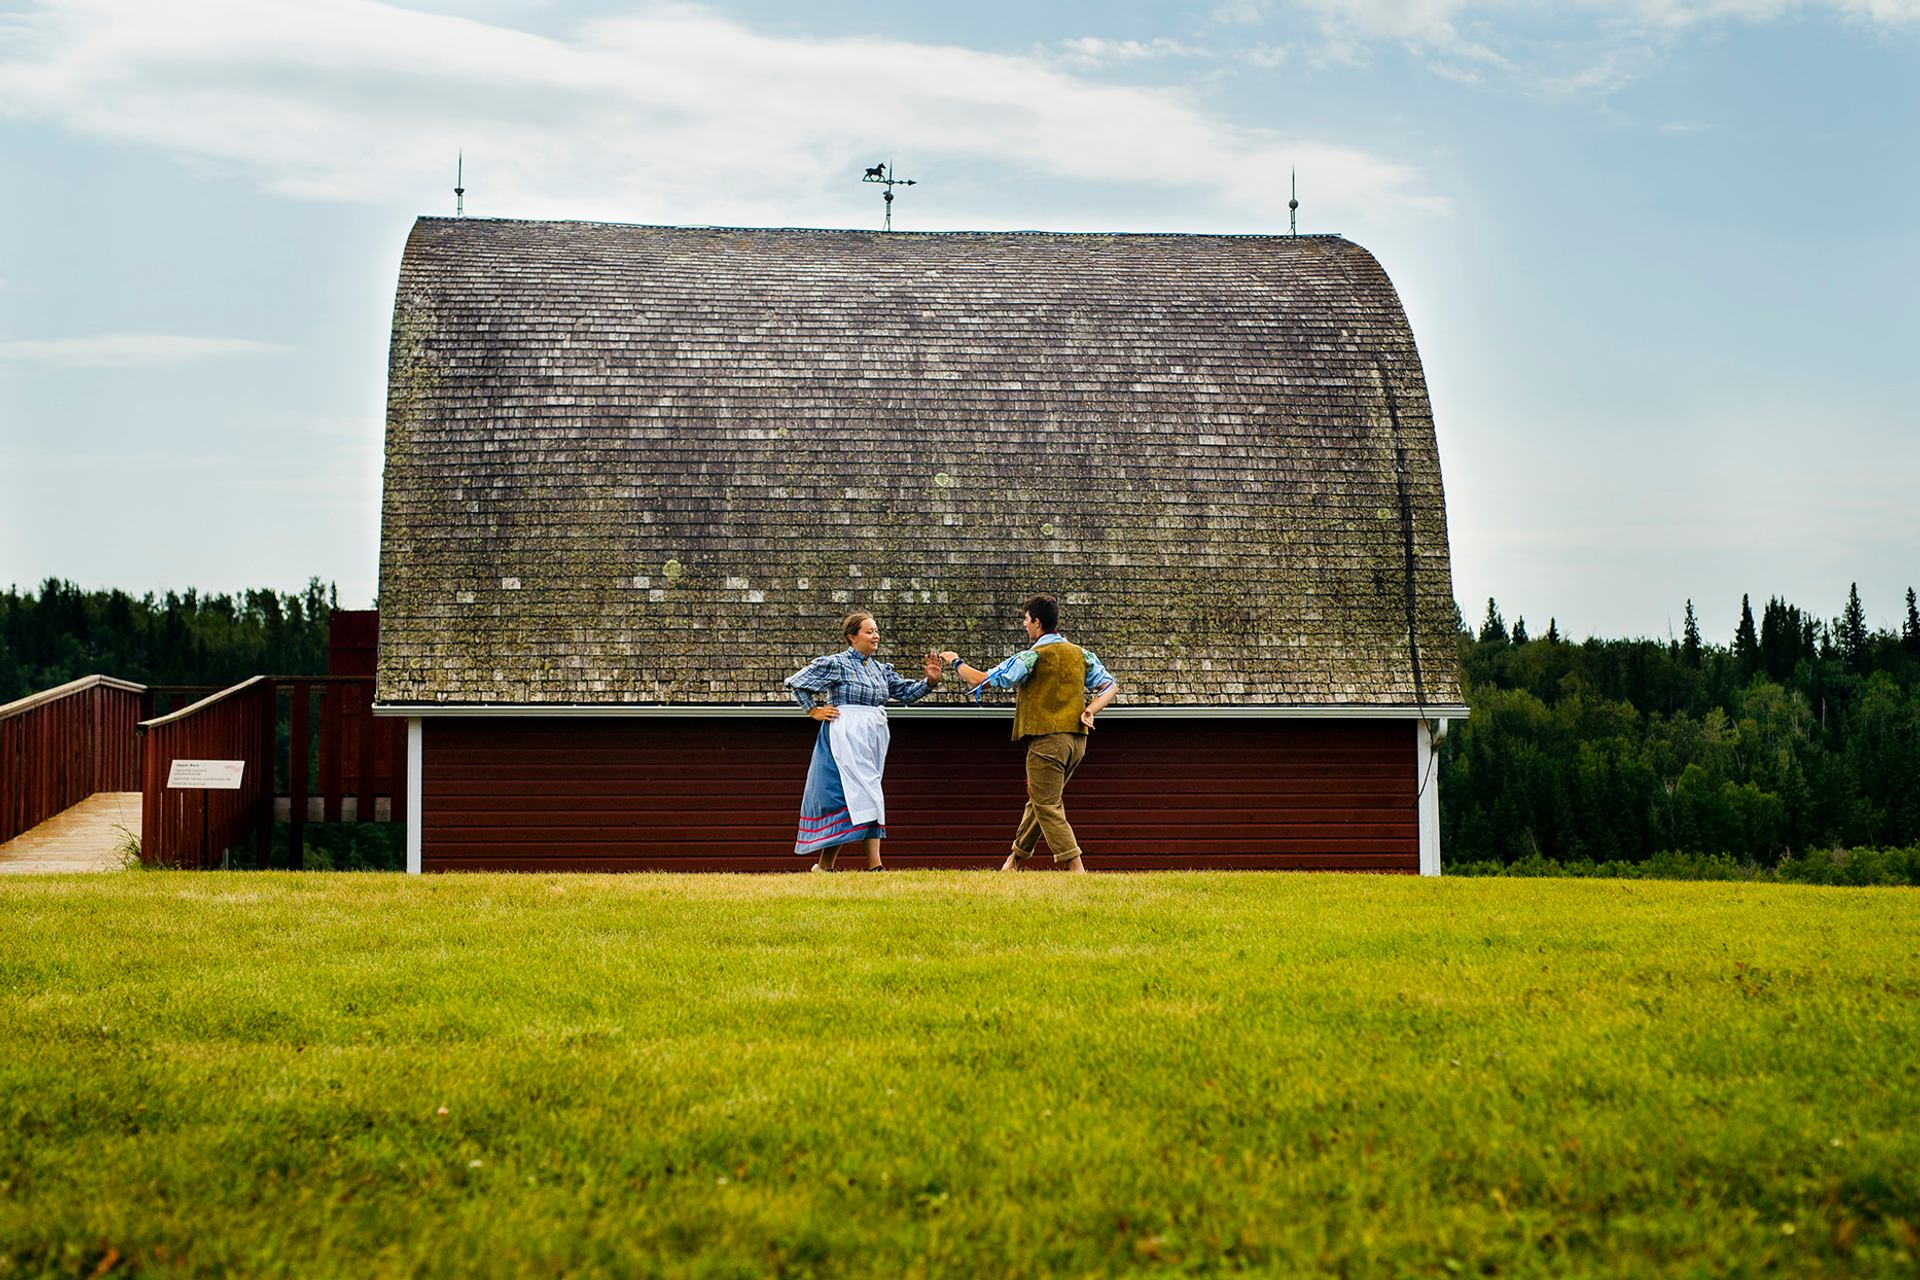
x: 1185, y: 437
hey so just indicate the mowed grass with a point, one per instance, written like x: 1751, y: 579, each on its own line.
x: 955, y: 1074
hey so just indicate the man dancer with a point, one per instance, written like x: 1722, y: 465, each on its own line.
x: 1052, y: 683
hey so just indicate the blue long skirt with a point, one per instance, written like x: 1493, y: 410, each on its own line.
x: 824, y: 821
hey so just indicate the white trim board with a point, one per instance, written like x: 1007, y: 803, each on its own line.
x: 1426, y: 777
x: 416, y: 771
x: 780, y: 710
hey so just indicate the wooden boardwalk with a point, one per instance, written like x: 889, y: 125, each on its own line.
x: 86, y: 837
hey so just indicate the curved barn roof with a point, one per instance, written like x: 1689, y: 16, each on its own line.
x: 654, y: 465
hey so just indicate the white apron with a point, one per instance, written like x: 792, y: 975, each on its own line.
x: 858, y: 739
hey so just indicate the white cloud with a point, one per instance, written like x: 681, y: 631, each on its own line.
x: 1611, y: 70
x: 1437, y: 20
x: 127, y: 350
x: 668, y: 114
x: 1238, y: 11
x: 1686, y: 13
x: 1429, y: 21
x: 1095, y: 51
x: 1264, y: 55
x: 1553, y: 46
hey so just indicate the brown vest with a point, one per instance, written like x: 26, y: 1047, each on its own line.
x: 1052, y: 698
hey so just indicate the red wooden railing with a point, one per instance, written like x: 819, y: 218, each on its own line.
x: 358, y: 756
x: 60, y: 746
x: 195, y: 828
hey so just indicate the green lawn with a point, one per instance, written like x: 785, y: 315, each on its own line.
x: 957, y: 1074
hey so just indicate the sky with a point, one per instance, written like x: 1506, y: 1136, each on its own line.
x: 1661, y: 257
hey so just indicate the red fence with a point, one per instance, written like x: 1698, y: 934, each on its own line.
x: 353, y: 758
x: 356, y: 756
x: 99, y: 734
x: 194, y: 828
x: 59, y: 747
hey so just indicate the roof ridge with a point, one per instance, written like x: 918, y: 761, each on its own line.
x: 870, y: 231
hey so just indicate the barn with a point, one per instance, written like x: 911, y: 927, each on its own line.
x: 635, y: 475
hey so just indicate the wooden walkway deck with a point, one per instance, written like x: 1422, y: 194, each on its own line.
x: 87, y: 837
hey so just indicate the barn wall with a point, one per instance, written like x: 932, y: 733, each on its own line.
x: 723, y: 795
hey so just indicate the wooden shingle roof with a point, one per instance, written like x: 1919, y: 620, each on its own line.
x: 632, y: 464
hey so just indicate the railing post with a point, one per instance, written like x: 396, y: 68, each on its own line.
x: 149, y: 801
x: 332, y: 707
x: 269, y: 787
x: 12, y: 772
x: 298, y: 742
x: 363, y: 806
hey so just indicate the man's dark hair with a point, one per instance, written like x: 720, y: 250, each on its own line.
x: 1045, y: 610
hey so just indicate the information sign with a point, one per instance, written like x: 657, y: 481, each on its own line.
x: 206, y: 775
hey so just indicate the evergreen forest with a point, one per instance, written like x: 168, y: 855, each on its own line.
x: 182, y: 638
x: 1800, y: 734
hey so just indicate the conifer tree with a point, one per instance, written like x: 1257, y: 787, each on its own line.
x: 1851, y: 631
x: 1910, y: 633
x: 1520, y: 630
x: 1553, y: 629
x: 1786, y: 636
x: 1494, y: 627
x: 1746, y: 641
x: 1690, y: 639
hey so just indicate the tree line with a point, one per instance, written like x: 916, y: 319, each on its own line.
x: 61, y: 633
x: 1802, y: 733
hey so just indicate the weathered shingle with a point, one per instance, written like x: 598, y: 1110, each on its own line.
x: 656, y: 465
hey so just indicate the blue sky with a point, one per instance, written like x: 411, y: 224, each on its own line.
x: 1662, y: 256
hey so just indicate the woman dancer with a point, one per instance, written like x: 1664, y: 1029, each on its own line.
x: 843, y: 804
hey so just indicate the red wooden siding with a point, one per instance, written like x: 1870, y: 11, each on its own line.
x: 698, y: 795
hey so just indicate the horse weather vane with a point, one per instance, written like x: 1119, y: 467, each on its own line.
x: 883, y: 174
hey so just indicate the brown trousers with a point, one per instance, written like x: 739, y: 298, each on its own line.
x: 1051, y: 760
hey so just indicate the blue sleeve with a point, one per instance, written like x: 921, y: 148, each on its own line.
x: 898, y: 686
x: 1097, y: 677
x: 1009, y: 673
x: 817, y: 676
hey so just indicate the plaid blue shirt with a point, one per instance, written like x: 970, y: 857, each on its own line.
x: 1017, y: 668
x: 851, y: 679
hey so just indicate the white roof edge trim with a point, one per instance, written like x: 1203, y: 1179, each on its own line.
x: 435, y: 711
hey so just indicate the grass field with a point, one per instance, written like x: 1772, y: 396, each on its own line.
x: 956, y: 1074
